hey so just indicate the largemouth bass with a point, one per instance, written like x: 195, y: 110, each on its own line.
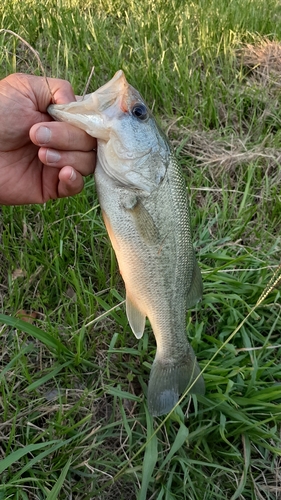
x: 143, y: 199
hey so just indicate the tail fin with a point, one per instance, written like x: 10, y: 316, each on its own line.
x: 169, y: 380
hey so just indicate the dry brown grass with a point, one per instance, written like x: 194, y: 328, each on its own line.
x: 225, y: 155
x: 263, y: 60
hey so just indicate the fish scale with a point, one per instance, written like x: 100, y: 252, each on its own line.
x: 144, y: 203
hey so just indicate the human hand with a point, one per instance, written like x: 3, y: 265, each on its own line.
x: 39, y: 159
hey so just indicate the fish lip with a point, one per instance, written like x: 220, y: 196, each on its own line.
x: 117, y: 91
x: 122, y: 93
x: 114, y: 91
x: 118, y: 82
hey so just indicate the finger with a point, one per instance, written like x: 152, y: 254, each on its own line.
x: 61, y: 91
x: 70, y: 182
x: 83, y: 162
x: 42, y: 91
x: 62, y: 136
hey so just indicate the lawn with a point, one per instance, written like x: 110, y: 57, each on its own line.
x: 73, y: 378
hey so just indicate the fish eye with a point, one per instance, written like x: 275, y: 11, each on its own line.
x: 140, y: 111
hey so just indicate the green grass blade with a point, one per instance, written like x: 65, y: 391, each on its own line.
x: 247, y: 462
x: 179, y: 441
x: 36, y: 460
x: 34, y: 331
x: 53, y: 495
x: 18, y: 454
x: 115, y: 391
x: 47, y: 377
x: 150, y: 457
x: 13, y: 361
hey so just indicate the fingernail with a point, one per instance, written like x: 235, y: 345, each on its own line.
x: 52, y: 156
x: 72, y: 175
x: 43, y: 135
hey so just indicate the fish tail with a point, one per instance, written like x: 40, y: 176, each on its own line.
x: 168, y: 380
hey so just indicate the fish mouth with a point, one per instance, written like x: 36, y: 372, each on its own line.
x: 93, y: 113
x: 116, y: 89
x: 119, y: 90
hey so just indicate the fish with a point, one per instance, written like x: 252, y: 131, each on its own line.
x: 144, y: 204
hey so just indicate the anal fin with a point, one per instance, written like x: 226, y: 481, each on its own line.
x: 135, y: 317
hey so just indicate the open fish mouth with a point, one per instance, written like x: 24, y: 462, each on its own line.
x: 111, y: 100
x: 117, y: 89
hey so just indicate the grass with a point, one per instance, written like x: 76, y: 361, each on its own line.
x: 73, y: 417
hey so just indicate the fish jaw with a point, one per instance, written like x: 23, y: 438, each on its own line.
x: 81, y: 115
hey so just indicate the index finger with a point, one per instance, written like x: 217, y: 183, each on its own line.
x: 62, y: 91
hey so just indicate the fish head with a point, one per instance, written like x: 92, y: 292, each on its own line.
x: 132, y: 149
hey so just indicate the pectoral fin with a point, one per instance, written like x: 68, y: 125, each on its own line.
x: 135, y: 318
x: 145, y: 224
x: 196, y: 288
